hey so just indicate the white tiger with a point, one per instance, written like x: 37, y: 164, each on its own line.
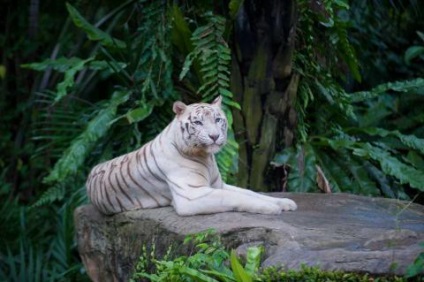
x: 178, y: 168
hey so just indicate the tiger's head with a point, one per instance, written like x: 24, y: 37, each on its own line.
x: 203, y: 126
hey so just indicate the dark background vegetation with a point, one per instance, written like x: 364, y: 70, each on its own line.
x: 322, y: 95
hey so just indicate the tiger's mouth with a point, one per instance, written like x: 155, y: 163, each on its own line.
x: 213, y: 148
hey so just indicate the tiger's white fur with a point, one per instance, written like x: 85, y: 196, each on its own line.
x: 178, y: 168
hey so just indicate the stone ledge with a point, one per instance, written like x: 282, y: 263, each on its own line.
x: 335, y: 231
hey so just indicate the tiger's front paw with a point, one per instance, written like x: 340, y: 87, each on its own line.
x: 287, y: 204
x: 269, y: 209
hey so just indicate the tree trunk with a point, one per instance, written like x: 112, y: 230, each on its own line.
x: 265, y: 86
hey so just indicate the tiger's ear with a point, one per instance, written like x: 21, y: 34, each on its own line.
x: 179, y: 107
x: 217, y: 101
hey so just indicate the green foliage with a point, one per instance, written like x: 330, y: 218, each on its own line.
x: 212, y: 58
x: 72, y: 159
x: 143, y: 75
x: 113, y: 72
x: 207, y: 262
x: 211, y: 262
x: 414, y: 86
x: 41, y: 252
x: 358, y: 140
x: 415, y: 52
x: 302, y: 161
x: 417, y: 268
x: 315, y: 274
x: 93, y: 33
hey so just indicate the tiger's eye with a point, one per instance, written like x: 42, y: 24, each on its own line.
x: 198, y: 122
x: 217, y: 120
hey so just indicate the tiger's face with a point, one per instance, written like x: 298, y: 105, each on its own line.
x: 203, y: 126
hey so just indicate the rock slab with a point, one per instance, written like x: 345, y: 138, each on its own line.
x: 333, y: 231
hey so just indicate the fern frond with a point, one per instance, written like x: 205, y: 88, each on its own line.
x: 408, y: 86
x: 391, y: 165
x: 153, y: 73
x: 410, y: 141
x: 227, y: 157
x: 54, y: 193
x: 336, y: 97
x: 56, y: 125
x: 73, y: 158
x: 348, y: 51
x: 214, y: 57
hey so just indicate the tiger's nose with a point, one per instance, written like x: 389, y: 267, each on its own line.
x: 214, y: 137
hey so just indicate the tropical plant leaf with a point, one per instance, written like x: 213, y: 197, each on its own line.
x: 68, y: 81
x: 253, y: 259
x: 413, y: 52
x: 93, y: 33
x: 392, y: 166
x: 54, y: 193
x: 348, y: 51
x: 139, y: 114
x: 240, y: 273
x: 61, y: 64
x: 410, y: 141
x: 180, y: 34
x: 227, y: 157
x: 196, y: 274
x: 234, y: 7
x: 407, y: 86
x: 302, y: 161
x: 74, y: 157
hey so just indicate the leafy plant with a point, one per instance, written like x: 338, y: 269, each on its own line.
x: 363, y: 142
x: 107, y: 75
x: 212, y: 58
x: 306, y: 273
x: 210, y: 261
x: 207, y: 263
x: 416, y: 268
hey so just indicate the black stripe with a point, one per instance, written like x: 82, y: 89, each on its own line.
x: 110, y: 185
x: 160, y: 170
x: 188, y: 157
x: 199, y: 173
x: 93, y: 189
x: 138, y: 184
x: 188, y: 131
x: 108, y: 197
x: 98, y: 190
x: 215, y: 179
x: 128, y: 160
x: 178, y: 149
x: 119, y: 203
x: 195, y: 186
x: 139, y: 166
x: 121, y: 188
x: 199, y: 162
x: 147, y: 165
